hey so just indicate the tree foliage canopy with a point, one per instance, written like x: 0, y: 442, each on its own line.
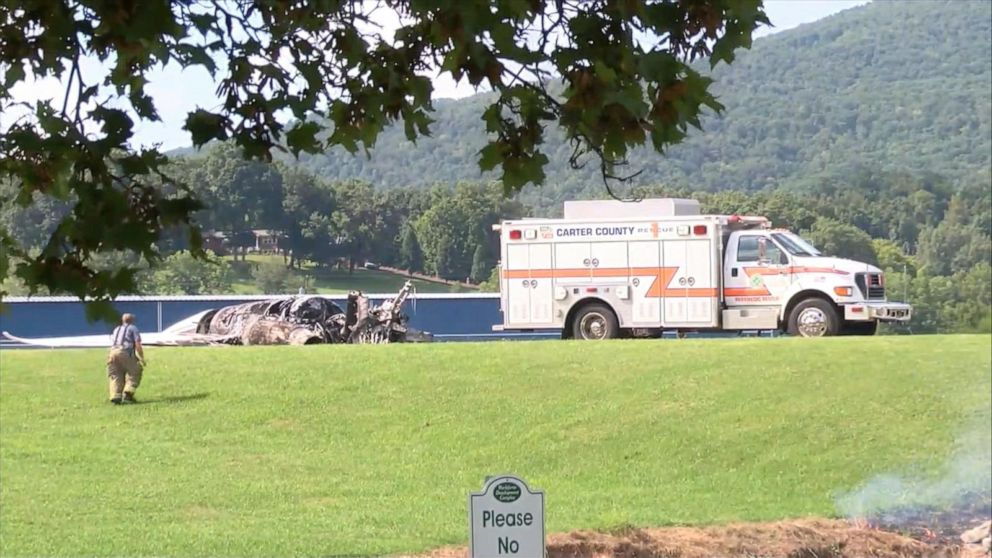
x: 624, y: 66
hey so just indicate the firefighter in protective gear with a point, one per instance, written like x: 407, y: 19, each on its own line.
x: 125, y: 361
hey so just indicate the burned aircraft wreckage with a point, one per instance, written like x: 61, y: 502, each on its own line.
x: 295, y: 320
x: 308, y: 320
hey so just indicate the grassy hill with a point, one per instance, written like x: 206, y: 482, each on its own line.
x: 359, y: 450
x: 891, y: 86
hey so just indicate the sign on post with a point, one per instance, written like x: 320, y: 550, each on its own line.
x: 506, y: 519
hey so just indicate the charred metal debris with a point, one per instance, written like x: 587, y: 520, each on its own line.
x: 309, y: 320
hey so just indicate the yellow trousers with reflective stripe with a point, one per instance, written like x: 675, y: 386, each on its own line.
x: 123, y: 372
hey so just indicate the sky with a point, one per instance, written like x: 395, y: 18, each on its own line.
x: 177, y: 92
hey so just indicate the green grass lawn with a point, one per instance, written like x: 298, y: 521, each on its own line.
x: 324, y: 450
x: 333, y: 281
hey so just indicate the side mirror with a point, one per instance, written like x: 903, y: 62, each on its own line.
x: 762, y: 249
x: 783, y: 259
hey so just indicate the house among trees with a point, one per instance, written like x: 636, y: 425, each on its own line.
x: 267, y: 241
x: 260, y: 241
x: 216, y: 242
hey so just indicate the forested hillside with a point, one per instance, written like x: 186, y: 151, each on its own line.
x: 890, y: 86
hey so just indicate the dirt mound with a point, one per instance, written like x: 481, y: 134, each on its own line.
x: 805, y: 538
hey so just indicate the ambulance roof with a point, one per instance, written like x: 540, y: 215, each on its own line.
x: 651, y: 208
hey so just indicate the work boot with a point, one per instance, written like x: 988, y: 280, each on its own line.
x: 129, y: 397
x: 116, y: 400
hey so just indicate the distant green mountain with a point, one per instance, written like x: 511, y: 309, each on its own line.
x: 890, y: 86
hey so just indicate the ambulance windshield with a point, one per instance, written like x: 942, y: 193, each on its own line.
x: 795, y: 244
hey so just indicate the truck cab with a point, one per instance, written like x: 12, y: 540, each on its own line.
x: 775, y: 272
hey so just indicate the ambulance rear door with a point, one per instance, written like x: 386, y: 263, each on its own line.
x: 528, y: 283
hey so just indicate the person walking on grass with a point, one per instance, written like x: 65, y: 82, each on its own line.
x: 125, y: 361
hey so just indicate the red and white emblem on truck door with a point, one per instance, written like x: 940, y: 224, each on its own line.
x: 769, y: 281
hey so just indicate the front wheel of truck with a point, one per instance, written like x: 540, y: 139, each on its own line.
x: 814, y: 317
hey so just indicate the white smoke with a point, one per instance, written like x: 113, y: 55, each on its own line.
x: 967, y: 475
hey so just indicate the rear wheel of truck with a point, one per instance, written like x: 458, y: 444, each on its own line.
x: 595, y: 321
x: 814, y: 317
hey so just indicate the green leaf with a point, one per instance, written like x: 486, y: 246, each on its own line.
x: 493, y: 117
x: 132, y: 165
x: 604, y: 72
x: 658, y: 66
x: 723, y: 51
x: 116, y: 124
x: 86, y: 94
x: 143, y: 105
x: 202, y: 22
x: 490, y: 156
x: 409, y: 128
x: 14, y: 74
x: 517, y: 172
x: 196, y: 55
x: 630, y: 99
x: 205, y: 126
x: 303, y: 137
x: 421, y: 87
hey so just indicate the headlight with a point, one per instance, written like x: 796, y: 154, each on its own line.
x: 843, y: 291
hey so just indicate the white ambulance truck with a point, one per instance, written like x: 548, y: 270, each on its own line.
x: 611, y: 268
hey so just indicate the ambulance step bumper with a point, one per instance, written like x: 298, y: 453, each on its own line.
x: 882, y: 311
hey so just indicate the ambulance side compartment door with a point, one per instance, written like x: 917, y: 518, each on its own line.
x: 541, y: 287
x: 573, y: 262
x: 673, y: 255
x: 645, y: 267
x: 611, y: 257
x: 517, y: 270
x: 700, y: 273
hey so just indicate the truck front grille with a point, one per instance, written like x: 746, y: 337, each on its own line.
x: 871, y: 285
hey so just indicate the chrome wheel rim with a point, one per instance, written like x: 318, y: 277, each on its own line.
x: 812, y: 322
x: 593, y: 326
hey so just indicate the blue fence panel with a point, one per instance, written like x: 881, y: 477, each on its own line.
x: 62, y: 318
x: 448, y: 317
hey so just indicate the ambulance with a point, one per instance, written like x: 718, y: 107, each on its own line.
x: 618, y: 269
